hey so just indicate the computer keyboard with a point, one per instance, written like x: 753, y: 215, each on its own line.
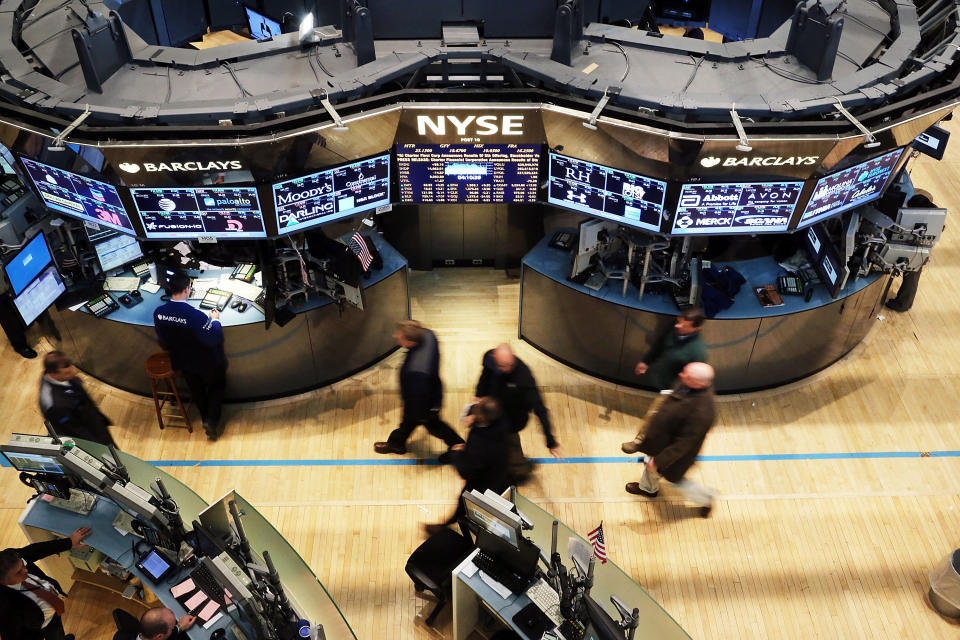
x: 502, y: 574
x: 206, y: 582
x: 546, y: 599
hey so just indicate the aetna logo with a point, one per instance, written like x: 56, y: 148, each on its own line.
x: 224, y: 165
x: 767, y: 161
x: 471, y: 125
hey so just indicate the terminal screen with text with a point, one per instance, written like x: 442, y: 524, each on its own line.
x: 735, y: 207
x: 468, y: 173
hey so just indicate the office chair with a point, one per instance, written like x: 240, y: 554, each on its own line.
x: 431, y: 565
x: 127, y: 625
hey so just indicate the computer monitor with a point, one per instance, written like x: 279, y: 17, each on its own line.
x: 42, y: 292
x: 825, y: 258
x: 492, y: 518
x: 27, y: 263
x: 116, y: 251
x: 194, y: 212
x: 80, y: 196
x: 34, y: 462
x: 261, y: 26
x: 601, y: 625
x: 735, y: 207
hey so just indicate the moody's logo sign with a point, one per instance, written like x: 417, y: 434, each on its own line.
x: 224, y: 165
x: 470, y: 125
x: 759, y: 161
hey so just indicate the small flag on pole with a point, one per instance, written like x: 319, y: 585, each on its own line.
x: 359, y: 246
x: 599, y: 544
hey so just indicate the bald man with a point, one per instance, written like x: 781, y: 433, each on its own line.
x: 675, y: 435
x: 508, y: 379
x: 160, y: 623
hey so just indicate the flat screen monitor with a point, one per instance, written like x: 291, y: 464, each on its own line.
x: 42, y: 292
x: 605, y: 192
x: 117, y: 251
x: 852, y: 187
x: 492, y: 520
x: 932, y: 142
x: 468, y: 173
x: 332, y: 194
x: 79, y: 196
x: 27, y: 263
x: 735, y: 207
x: 34, y: 463
x: 261, y: 26
x: 824, y: 257
x: 192, y: 212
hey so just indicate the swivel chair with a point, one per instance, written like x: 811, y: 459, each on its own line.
x: 431, y: 565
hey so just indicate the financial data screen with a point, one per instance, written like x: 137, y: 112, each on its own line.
x: 332, y: 194
x: 605, y: 192
x: 79, y: 196
x: 735, y: 207
x: 844, y: 190
x: 219, y: 212
x: 468, y: 173
x: 39, y: 294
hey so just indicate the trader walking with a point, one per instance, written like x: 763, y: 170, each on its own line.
x: 420, y: 389
x: 65, y: 404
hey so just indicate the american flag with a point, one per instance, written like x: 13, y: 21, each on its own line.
x: 359, y: 246
x: 599, y: 544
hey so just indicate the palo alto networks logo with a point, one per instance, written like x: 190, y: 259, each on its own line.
x: 710, y: 161
x: 130, y: 167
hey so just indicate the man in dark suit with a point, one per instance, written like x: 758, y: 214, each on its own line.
x: 675, y: 435
x: 65, y: 403
x: 160, y: 623
x: 30, y: 600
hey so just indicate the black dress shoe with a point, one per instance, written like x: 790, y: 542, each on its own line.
x: 634, y: 488
x: 892, y: 305
x: 69, y: 636
x: 704, y: 512
x: 445, y: 458
x: 389, y: 447
x: 434, y: 529
x: 27, y: 352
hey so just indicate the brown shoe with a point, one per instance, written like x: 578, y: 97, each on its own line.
x: 388, y: 447
x: 631, y: 447
x: 634, y: 488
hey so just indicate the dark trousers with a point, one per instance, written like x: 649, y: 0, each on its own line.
x: 907, y: 292
x: 54, y: 629
x: 206, y: 390
x: 12, y: 324
x: 431, y: 421
x: 520, y: 467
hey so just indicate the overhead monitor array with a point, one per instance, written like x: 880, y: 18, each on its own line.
x: 474, y: 173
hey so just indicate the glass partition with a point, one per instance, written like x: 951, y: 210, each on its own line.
x: 142, y: 473
x: 306, y: 593
x: 608, y: 579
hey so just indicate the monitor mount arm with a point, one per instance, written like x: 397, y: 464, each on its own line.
x: 630, y: 620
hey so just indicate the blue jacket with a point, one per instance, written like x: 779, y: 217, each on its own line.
x: 195, y: 342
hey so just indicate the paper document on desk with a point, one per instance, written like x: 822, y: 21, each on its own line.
x: 239, y: 287
x: 200, y: 287
x: 469, y: 569
x: 150, y: 287
x: 501, y: 590
x: 121, y: 283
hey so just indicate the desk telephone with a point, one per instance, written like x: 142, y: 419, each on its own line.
x: 101, y: 306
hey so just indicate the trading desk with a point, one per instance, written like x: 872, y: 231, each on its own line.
x: 608, y: 579
x: 40, y: 521
x: 321, y: 345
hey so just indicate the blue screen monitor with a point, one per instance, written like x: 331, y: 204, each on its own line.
x: 79, y: 196
x: 28, y: 263
x: 735, y: 207
x: 42, y: 292
x: 604, y: 192
x: 34, y: 463
x: 468, y: 173
x: 852, y: 187
x: 116, y: 251
x: 332, y: 194
x: 229, y: 213
x: 261, y: 26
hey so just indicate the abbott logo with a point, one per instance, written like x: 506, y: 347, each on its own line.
x: 130, y: 167
x: 710, y: 161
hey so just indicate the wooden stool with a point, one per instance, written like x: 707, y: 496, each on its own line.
x: 161, y: 371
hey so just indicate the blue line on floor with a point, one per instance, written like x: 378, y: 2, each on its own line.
x: 410, y: 462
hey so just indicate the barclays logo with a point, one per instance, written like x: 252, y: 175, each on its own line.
x: 764, y: 161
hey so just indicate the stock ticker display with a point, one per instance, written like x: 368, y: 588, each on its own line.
x: 736, y: 207
x: 468, y: 173
x: 79, y: 196
x: 605, y: 192
x: 219, y: 212
x: 332, y: 194
x: 849, y: 188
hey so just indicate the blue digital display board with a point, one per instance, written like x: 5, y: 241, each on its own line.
x: 605, y: 192
x: 468, y: 173
x: 28, y: 263
x: 852, y: 187
x: 332, y: 194
x: 218, y: 212
x: 79, y: 196
x: 736, y: 207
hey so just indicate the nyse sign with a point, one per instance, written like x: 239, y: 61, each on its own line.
x: 470, y: 125
x: 480, y: 125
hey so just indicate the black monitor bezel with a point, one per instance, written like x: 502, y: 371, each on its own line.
x: 21, y: 250
x: 197, y: 236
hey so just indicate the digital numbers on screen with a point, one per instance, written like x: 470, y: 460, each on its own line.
x: 221, y: 212
x: 849, y: 188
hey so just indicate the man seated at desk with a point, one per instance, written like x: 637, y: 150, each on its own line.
x: 160, y: 623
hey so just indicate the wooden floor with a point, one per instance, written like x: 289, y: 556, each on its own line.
x: 796, y: 549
